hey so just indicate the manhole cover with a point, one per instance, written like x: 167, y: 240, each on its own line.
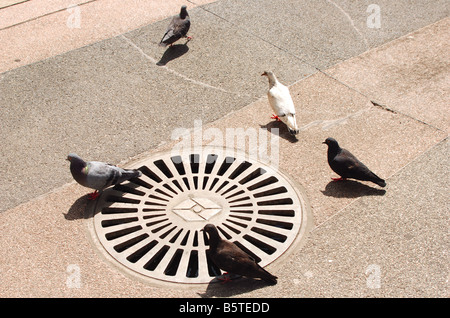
x: 151, y: 225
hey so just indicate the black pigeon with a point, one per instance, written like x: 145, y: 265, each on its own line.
x: 177, y: 29
x: 98, y: 175
x: 230, y: 258
x: 347, y: 165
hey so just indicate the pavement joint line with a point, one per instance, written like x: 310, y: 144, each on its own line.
x: 45, y: 15
x: 151, y: 59
x: 387, y: 108
x: 420, y: 155
x: 351, y: 22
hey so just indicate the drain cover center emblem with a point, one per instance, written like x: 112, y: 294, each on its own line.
x: 151, y: 225
x: 197, y: 209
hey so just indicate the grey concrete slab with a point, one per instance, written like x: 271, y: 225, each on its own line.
x: 383, y: 246
x: 106, y: 102
x: 220, y: 54
x: 110, y: 101
x: 323, y: 33
x: 410, y: 75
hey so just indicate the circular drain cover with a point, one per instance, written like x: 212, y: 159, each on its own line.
x: 152, y: 224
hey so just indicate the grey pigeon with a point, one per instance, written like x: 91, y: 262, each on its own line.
x: 281, y: 102
x: 347, y: 165
x: 98, y: 175
x: 230, y: 258
x: 177, y: 29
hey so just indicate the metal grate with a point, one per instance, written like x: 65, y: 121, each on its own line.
x: 152, y: 224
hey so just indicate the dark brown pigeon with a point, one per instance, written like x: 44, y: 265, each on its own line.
x: 98, y: 175
x: 177, y: 29
x: 230, y: 258
x: 347, y: 165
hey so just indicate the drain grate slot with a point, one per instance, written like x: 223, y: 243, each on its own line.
x: 150, y: 174
x: 152, y: 224
x: 136, y: 256
x: 116, y: 234
x: 172, y: 267
x: 210, y: 162
x: 131, y: 242
x: 194, y: 160
x: 266, y: 248
x: 279, y: 224
x: 156, y: 259
x: 192, y: 268
x: 163, y: 168
x: 112, y: 210
x: 107, y: 223
x: 269, y: 234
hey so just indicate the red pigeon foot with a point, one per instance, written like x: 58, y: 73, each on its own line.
x: 225, y: 278
x: 338, y: 179
x: 275, y: 117
x: 94, y: 195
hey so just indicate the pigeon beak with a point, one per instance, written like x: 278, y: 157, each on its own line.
x: 264, y: 74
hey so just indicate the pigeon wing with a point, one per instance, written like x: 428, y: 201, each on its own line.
x: 177, y: 29
x: 101, y: 175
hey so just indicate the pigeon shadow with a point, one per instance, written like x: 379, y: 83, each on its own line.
x: 235, y: 287
x: 350, y: 189
x: 81, y: 207
x: 173, y: 52
x: 77, y: 210
x: 280, y: 129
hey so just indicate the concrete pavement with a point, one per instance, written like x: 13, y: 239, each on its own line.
x: 382, y: 93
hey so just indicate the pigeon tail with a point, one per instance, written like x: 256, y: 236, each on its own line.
x: 376, y: 179
x: 129, y: 174
x: 291, y: 123
x: 268, y: 277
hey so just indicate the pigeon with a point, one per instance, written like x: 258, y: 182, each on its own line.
x: 230, y: 258
x: 98, y: 175
x: 177, y: 29
x: 281, y: 102
x: 347, y: 165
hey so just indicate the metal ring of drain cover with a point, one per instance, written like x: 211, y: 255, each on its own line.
x: 151, y: 224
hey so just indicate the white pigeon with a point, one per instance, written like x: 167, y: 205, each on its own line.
x: 281, y: 102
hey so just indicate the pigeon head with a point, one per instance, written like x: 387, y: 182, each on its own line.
x: 72, y: 157
x: 214, y: 237
x: 332, y: 143
x: 271, y: 76
x: 75, y: 161
x: 183, y: 12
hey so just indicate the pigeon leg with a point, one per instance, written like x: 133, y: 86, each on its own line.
x: 225, y: 278
x: 275, y: 117
x: 189, y: 38
x: 94, y: 195
x: 338, y: 179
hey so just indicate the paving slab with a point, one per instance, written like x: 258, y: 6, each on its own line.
x: 393, y: 245
x: 58, y: 218
x: 110, y: 101
x: 409, y: 77
x: 64, y: 25
x: 323, y: 33
x: 367, y: 241
x: 383, y: 140
x: 81, y: 102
